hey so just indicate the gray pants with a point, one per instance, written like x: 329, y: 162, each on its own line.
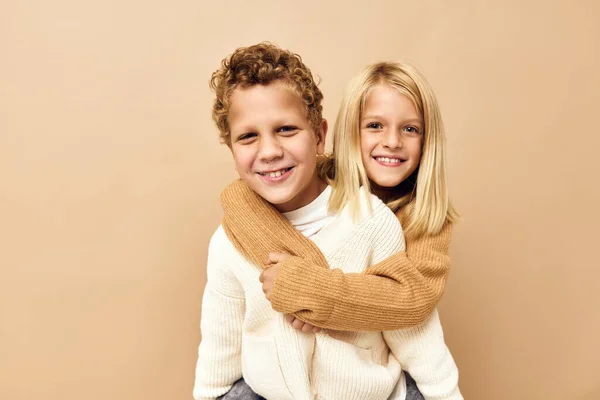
x: 241, y: 391
x: 412, y: 391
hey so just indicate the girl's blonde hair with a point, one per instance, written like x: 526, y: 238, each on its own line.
x: 424, y: 195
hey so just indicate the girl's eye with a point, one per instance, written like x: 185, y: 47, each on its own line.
x: 412, y: 129
x: 374, y: 125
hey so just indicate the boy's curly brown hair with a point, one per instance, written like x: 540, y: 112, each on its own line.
x: 262, y: 64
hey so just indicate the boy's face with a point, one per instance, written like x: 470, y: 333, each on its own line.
x: 274, y: 146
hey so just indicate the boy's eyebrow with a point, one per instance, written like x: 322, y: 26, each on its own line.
x: 241, y: 129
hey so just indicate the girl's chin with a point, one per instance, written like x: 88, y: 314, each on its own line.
x: 388, y: 184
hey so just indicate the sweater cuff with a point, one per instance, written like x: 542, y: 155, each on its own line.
x: 305, y: 290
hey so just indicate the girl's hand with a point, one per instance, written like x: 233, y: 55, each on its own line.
x: 267, y: 277
x: 301, y: 325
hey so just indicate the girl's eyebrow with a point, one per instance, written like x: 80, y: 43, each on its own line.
x: 415, y: 120
x: 377, y: 116
x: 373, y: 116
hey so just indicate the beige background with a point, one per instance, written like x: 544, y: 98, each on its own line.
x: 110, y: 170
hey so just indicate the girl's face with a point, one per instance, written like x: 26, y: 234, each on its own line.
x: 391, y: 136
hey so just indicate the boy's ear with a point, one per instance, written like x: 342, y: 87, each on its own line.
x: 228, y: 143
x: 321, y: 136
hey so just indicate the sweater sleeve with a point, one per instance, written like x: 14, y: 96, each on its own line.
x: 399, y: 292
x: 219, y: 362
x: 422, y: 351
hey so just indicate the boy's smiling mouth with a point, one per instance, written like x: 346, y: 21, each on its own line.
x: 276, y: 175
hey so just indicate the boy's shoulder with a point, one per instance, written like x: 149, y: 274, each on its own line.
x: 372, y: 208
x: 222, y: 248
x: 220, y: 245
x: 375, y: 229
x: 384, y: 228
x: 219, y: 238
x: 380, y: 214
x: 371, y: 216
x: 221, y: 272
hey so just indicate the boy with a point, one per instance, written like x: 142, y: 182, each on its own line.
x: 268, y: 111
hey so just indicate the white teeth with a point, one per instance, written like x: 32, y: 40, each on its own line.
x: 388, y: 160
x: 274, y: 174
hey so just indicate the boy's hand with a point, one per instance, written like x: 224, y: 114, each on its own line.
x: 301, y: 325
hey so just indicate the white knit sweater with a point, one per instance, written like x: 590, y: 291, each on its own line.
x: 243, y: 335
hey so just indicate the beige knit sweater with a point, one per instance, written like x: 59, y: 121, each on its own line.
x: 243, y: 336
x: 399, y: 292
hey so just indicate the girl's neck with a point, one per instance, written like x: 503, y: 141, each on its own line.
x: 388, y: 194
x: 385, y: 194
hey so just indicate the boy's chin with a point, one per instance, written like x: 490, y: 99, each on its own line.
x: 273, y: 195
x: 281, y: 201
x: 276, y: 199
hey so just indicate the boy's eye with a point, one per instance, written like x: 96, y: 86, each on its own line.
x: 287, y: 129
x: 374, y: 125
x: 246, y: 137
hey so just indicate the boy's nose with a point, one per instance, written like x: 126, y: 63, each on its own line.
x: 270, y: 149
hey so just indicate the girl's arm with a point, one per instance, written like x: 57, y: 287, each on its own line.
x: 399, y: 292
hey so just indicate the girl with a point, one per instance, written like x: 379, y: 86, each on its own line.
x: 388, y: 137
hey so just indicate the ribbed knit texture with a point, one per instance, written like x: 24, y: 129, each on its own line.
x: 242, y: 334
x: 399, y: 292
